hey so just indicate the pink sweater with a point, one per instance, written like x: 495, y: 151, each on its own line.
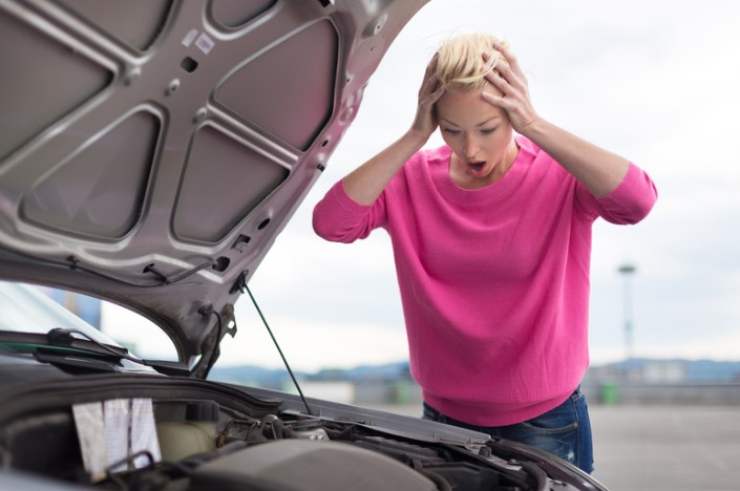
x: 494, y: 282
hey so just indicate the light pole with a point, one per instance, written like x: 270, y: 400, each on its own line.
x: 627, y: 270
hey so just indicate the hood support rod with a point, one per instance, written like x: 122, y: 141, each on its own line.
x: 264, y: 321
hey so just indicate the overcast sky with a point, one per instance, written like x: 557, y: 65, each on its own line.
x: 656, y: 84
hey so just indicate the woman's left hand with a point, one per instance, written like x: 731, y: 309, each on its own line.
x: 510, y: 81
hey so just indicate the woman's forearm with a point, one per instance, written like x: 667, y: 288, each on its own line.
x: 365, y: 183
x: 597, y: 169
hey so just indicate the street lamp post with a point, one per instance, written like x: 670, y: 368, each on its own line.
x: 627, y: 270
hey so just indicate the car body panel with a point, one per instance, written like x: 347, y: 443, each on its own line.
x: 150, y: 154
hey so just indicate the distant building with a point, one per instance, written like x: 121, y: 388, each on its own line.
x: 343, y: 392
x: 652, y: 371
x: 663, y: 372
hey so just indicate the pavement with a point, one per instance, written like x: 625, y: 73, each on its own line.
x: 660, y: 448
x: 667, y: 447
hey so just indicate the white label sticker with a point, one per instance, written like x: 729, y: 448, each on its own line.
x: 89, y: 422
x: 116, y: 417
x: 112, y: 431
x: 204, y: 43
x: 143, y: 432
x: 188, y: 39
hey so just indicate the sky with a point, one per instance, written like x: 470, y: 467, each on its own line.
x: 657, y: 85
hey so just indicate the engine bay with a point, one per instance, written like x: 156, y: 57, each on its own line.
x: 204, y: 444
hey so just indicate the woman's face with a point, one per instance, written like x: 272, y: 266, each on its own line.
x: 479, y: 133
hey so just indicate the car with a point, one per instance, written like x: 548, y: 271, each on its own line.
x: 151, y: 152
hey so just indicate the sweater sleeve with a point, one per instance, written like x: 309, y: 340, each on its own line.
x: 628, y: 203
x: 339, y: 218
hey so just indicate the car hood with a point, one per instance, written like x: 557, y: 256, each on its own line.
x: 151, y: 151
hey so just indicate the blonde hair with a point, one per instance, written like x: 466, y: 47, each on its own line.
x: 460, y: 64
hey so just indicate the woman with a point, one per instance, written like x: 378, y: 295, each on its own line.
x: 491, y: 237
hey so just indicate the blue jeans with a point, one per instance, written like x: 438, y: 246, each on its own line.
x: 564, y: 431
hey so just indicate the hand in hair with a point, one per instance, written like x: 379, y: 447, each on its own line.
x: 514, y: 99
x: 431, y: 90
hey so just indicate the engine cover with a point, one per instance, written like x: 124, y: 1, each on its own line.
x: 307, y: 465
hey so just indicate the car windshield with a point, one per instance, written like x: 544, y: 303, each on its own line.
x: 26, y: 308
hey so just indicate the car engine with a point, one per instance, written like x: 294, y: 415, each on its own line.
x: 205, y: 445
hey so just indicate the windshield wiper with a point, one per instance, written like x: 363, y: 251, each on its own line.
x: 64, y: 338
x: 62, y: 346
x: 75, y: 359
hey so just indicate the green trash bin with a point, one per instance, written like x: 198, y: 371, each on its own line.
x: 609, y: 394
x: 401, y: 392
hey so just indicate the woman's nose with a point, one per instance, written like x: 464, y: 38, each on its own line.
x: 470, y: 148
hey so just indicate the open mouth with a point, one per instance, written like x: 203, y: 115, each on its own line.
x: 476, y: 167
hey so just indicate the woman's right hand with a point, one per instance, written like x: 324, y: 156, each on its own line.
x: 431, y: 90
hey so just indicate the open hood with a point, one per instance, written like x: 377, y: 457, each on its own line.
x: 152, y: 150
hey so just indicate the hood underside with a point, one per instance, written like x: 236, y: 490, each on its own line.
x: 152, y: 150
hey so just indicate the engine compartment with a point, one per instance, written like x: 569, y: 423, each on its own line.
x: 211, y: 435
x: 206, y: 445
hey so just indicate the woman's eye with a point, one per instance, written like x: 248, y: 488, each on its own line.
x: 488, y: 131
x: 450, y: 131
